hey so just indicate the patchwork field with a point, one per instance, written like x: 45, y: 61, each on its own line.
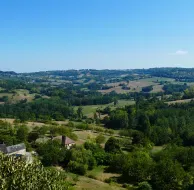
x: 18, y: 95
x: 137, y: 85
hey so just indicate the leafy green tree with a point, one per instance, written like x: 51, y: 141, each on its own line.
x: 22, y: 133
x: 168, y: 174
x: 51, y: 152
x: 144, y: 123
x: 80, y: 112
x: 32, y: 136
x: 97, y: 152
x: 81, y: 158
x: 139, y: 167
x: 115, y: 101
x: 112, y: 145
x: 17, y: 174
x: 118, y: 120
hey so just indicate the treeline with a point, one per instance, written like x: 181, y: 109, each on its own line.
x: 40, y: 109
x: 173, y: 88
x: 156, y: 121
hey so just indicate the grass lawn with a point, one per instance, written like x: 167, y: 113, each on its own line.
x: 85, y: 183
x: 100, y: 174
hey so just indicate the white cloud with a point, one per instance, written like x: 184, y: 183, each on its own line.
x: 181, y: 52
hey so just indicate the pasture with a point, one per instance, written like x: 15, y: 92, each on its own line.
x: 86, y: 183
x: 18, y: 95
x: 89, y: 110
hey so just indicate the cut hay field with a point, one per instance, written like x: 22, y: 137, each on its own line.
x: 179, y: 101
x: 137, y: 85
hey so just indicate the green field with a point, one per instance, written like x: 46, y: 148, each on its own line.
x: 91, y: 109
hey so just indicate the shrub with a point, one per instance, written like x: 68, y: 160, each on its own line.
x: 71, y: 124
x: 77, y: 168
x: 144, y: 186
x: 82, y: 126
x: 17, y: 174
x: 100, y: 139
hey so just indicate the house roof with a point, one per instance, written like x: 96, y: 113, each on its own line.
x: 67, y: 140
x: 15, y: 148
x: 3, y: 148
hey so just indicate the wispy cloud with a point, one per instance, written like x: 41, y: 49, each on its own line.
x: 180, y: 52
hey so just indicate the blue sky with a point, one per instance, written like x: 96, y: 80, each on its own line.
x: 113, y: 34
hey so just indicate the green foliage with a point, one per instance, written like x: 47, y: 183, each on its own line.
x: 139, y: 167
x: 80, y: 112
x: 16, y: 174
x: 100, y: 139
x: 40, y: 109
x: 118, y: 120
x: 77, y: 167
x: 97, y: 152
x: 168, y: 175
x: 22, y: 133
x: 147, y: 89
x: 81, y: 160
x: 144, y: 186
x: 112, y: 145
x: 172, y: 88
x: 32, y: 136
x: 82, y: 126
x: 51, y: 152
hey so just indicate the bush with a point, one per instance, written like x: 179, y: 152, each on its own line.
x: 127, y: 186
x: 16, y: 174
x: 77, y: 168
x: 71, y: 124
x: 113, y: 145
x: 91, y: 163
x: 110, y: 180
x: 100, y: 139
x: 99, y: 129
x: 82, y: 126
x: 109, y: 131
x: 144, y: 186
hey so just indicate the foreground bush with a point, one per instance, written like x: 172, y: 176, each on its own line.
x: 16, y: 174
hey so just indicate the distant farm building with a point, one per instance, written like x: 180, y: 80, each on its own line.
x: 65, y: 141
